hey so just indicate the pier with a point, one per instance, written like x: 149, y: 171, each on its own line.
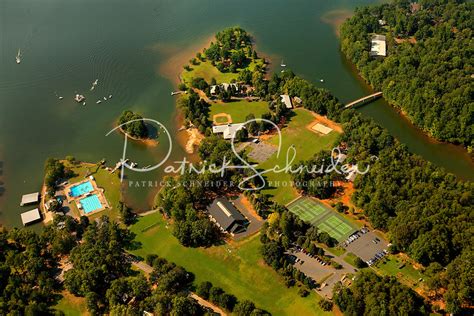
x: 364, y: 100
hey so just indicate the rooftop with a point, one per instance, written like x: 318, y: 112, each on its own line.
x: 30, y: 216
x: 29, y: 198
x: 285, y: 98
x: 379, y: 46
x: 228, y: 130
x: 225, y: 214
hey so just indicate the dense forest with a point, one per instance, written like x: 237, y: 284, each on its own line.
x: 427, y: 72
x: 426, y: 211
x: 100, y: 270
x: 136, y: 128
x: 373, y: 295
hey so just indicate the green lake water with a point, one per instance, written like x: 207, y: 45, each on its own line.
x: 66, y: 45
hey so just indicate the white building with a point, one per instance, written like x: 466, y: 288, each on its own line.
x: 379, y: 46
x: 228, y: 131
x: 285, y: 99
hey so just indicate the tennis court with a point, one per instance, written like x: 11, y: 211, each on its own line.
x: 323, y: 217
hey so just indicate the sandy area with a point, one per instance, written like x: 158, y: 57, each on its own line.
x: 218, y: 115
x: 177, y: 57
x: 336, y: 17
x: 193, y: 140
x: 147, y: 141
x: 325, y: 121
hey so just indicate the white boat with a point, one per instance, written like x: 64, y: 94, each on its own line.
x: 84, y: 103
x: 282, y: 64
x: 18, y: 57
x: 79, y: 98
x: 110, y: 96
x: 94, y: 84
x: 98, y: 102
x: 322, y: 80
x: 60, y: 98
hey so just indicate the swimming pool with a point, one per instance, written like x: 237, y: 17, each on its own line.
x: 81, y: 189
x: 90, y: 203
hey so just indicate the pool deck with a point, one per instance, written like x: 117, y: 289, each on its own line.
x: 96, y: 190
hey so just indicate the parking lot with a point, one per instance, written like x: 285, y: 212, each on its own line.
x: 367, y: 246
x: 261, y: 151
x: 323, y: 273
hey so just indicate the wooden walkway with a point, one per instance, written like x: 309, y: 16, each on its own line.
x: 364, y: 99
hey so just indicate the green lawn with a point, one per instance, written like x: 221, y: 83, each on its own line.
x: 237, y: 268
x: 207, y: 71
x: 306, y: 143
x: 350, y: 258
x: 239, y: 110
x: 71, y: 305
x: 109, y: 182
x: 390, y: 266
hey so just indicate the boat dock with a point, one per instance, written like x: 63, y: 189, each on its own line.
x: 30, y: 216
x: 118, y: 165
x: 31, y: 198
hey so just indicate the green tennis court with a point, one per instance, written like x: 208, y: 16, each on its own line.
x: 323, y: 217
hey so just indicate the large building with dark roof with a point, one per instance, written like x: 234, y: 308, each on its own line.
x: 226, y: 216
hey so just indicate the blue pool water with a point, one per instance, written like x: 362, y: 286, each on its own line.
x: 90, y: 203
x: 81, y: 189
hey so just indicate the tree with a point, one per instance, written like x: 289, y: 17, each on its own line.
x: 54, y: 170
x: 244, y: 308
x: 132, y: 124
x: 241, y: 135
x: 326, y: 305
x: 359, y: 263
x: 203, y: 289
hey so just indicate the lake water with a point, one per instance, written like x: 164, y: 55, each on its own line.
x: 133, y: 48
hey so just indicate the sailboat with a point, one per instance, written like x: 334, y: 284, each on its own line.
x: 282, y: 64
x: 18, y: 57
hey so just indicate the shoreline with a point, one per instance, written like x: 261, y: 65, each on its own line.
x: 145, y: 141
x: 404, y: 116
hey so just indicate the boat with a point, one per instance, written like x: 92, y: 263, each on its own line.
x: 18, y: 56
x: 84, y: 103
x: 105, y: 99
x: 94, y: 84
x: 110, y: 96
x: 79, y: 98
x: 60, y: 98
x: 282, y: 64
x: 175, y: 92
x: 99, y: 102
x: 322, y: 80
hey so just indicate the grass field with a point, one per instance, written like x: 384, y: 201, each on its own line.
x: 71, y: 305
x: 109, y: 182
x: 306, y: 143
x: 240, y: 109
x: 407, y: 275
x: 207, y: 71
x: 238, y: 268
x: 322, y: 216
